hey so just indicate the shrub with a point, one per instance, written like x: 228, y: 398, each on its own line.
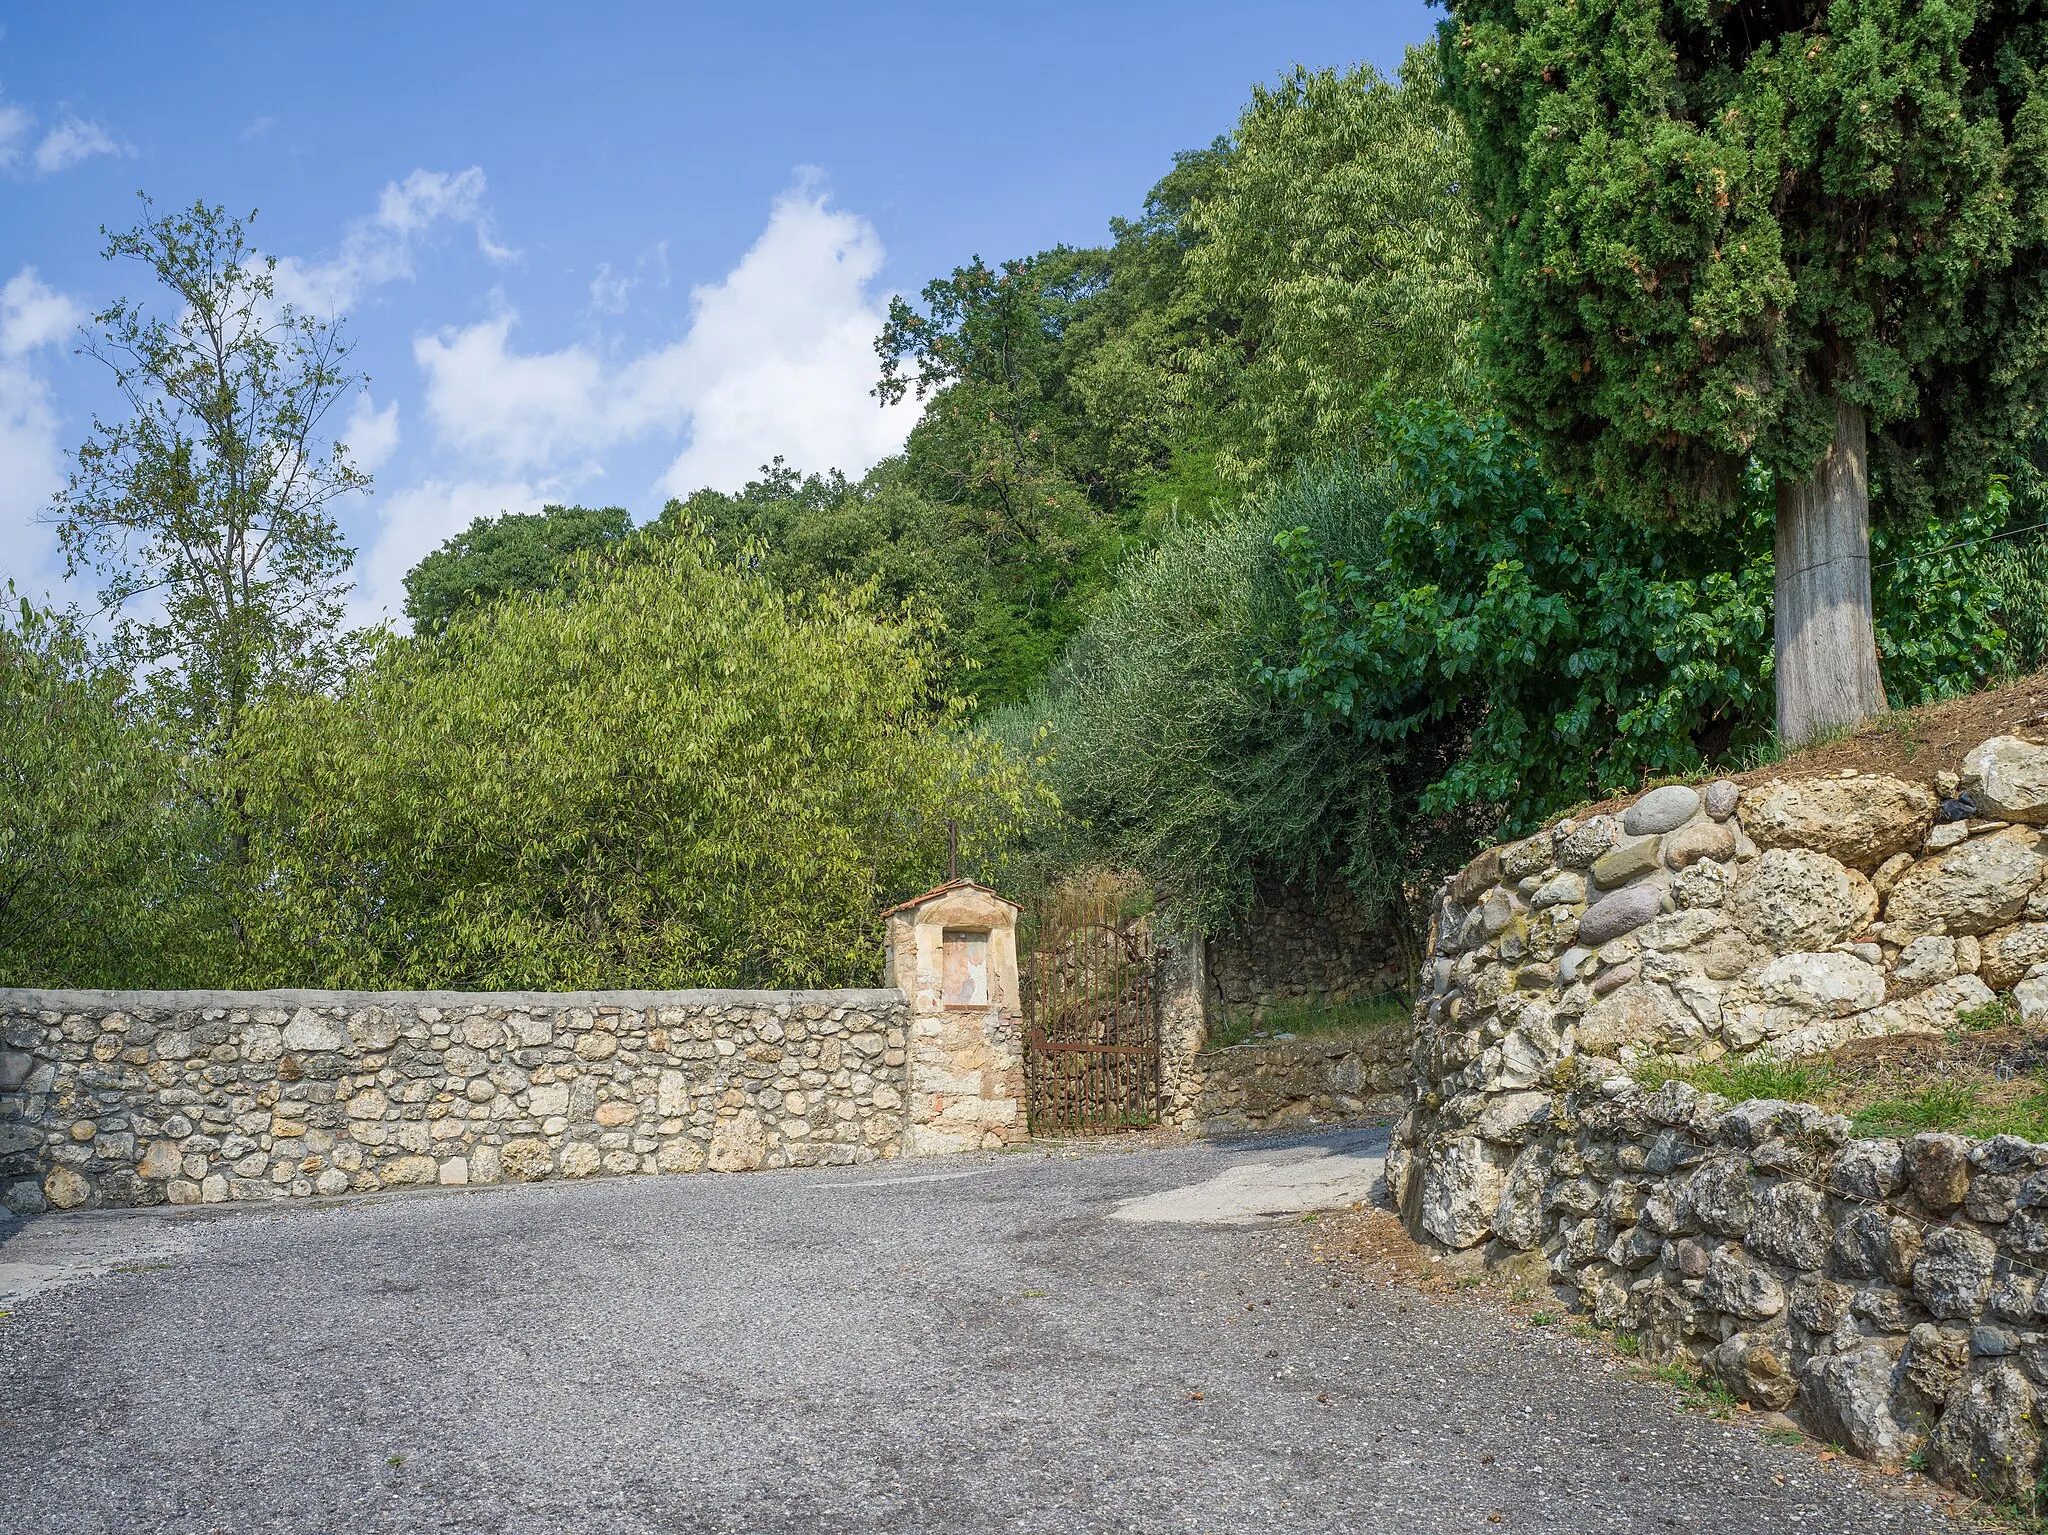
x: 1551, y: 651
x: 102, y: 867
x: 2018, y: 576
x: 665, y: 773
x: 1169, y: 757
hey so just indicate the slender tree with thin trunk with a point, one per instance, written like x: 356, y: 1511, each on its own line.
x: 1794, y: 236
x: 206, y: 513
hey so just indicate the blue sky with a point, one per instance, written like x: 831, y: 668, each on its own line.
x: 589, y: 253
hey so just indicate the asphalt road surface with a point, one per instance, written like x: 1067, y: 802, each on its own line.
x: 959, y: 1346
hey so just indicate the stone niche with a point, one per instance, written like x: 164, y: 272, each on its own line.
x: 953, y: 953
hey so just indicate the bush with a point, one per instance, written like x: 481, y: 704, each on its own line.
x: 2018, y: 575
x: 665, y: 773
x: 1553, y: 652
x: 1169, y: 757
x: 102, y: 867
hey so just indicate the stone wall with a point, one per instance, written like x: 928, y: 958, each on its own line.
x: 1284, y: 1083
x: 111, y: 1099
x: 1266, y: 1083
x: 1183, y: 1028
x: 1298, y: 946
x: 1888, y: 1294
x: 1883, y: 1291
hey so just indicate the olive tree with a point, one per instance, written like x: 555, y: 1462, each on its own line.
x: 1803, y: 236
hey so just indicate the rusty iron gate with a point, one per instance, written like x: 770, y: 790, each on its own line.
x: 1091, y: 1008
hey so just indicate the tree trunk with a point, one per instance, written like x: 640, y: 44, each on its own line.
x: 1826, y: 639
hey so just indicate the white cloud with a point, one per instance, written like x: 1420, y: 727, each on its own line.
x: 781, y: 355
x: 371, y: 434
x: 608, y: 293
x: 779, y: 358
x: 415, y: 522
x: 32, y: 315
x: 16, y: 124
x: 378, y: 248
x: 71, y: 141
x: 521, y: 411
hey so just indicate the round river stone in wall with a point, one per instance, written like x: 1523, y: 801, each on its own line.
x: 1622, y: 912
x: 1661, y: 810
x: 1620, y: 864
x: 1702, y: 839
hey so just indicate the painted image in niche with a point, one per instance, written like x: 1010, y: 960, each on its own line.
x: 966, y: 982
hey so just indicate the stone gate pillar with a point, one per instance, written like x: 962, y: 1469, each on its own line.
x: 953, y: 953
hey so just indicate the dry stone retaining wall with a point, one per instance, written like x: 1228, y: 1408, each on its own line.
x: 1889, y: 1293
x: 1321, y: 952
x: 1297, y: 946
x: 1318, y: 1079
x: 116, y: 1099
x: 1884, y: 1291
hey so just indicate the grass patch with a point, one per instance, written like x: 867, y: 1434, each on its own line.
x: 1998, y: 1013
x: 1311, y: 1016
x: 1696, y: 1391
x: 1939, y: 1106
x: 1957, y: 1106
x: 1740, y: 1077
x: 1986, y: 1077
x: 1670, y: 1375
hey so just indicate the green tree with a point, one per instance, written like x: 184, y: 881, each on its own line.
x: 996, y: 444
x: 824, y: 532
x: 1335, y: 253
x: 1171, y: 760
x: 664, y: 772
x: 1540, y: 649
x: 1141, y: 429
x: 98, y: 848
x: 212, y: 499
x: 1278, y: 289
x: 1808, y: 236
x: 514, y: 552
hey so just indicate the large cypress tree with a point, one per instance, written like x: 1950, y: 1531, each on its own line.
x: 1811, y: 237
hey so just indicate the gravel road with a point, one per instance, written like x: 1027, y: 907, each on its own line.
x: 964, y: 1345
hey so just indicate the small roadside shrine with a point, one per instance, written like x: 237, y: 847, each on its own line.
x: 953, y: 952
